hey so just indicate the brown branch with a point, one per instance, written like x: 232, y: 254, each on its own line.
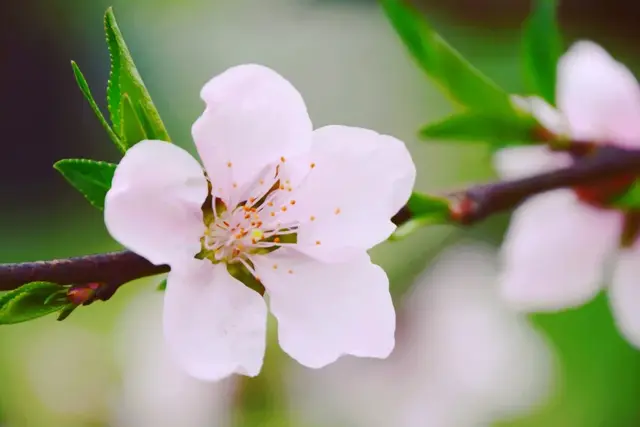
x: 471, y: 205
x: 111, y: 270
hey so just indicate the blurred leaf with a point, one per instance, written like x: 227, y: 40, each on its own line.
x: 66, y: 311
x: 542, y: 44
x: 132, y: 130
x: 478, y: 126
x: 125, y: 80
x: 461, y: 80
x: 420, y: 204
x: 630, y: 199
x: 84, y: 87
x: 162, y: 285
x: 425, y: 210
x: 28, y: 302
x: 90, y: 177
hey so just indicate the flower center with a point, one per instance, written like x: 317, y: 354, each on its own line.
x: 259, y: 224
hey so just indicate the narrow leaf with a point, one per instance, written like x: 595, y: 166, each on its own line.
x: 84, y: 87
x: 162, y: 286
x: 425, y: 210
x: 461, y: 80
x: 132, y: 130
x: 125, y: 79
x: 479, y: 126
x: 28, y: 302
x: 90, y: 177
x: 66, y: 311
x: 542, y: 47
x: 420, y: 204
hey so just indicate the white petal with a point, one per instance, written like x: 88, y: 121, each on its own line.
x: 624, y: 294
x: 520, y: 162
x: 598, y: 95
x: 547, y: 116
x: 325, y: 311
x: 555, y: 251
x: 154, y: 204
x: 215, y: 326
x: 253, y: 117
x: 359, y: 181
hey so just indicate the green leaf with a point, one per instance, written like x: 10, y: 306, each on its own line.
x: 84, y: 87
x: 28, y: 302
x: 90, y: 177
x: 132, y: 130
x: 162, y: 285
x: 421, y: 204
x: 542, y: 47
x: 461, y: 80
x: 630, y: 200
x: 66, y: 311
x: 479, y: 126
x: 425, y: 210
x: 125, y: 80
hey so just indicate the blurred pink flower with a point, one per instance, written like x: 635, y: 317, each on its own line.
x: 297, y: 208
x: 154, y: 390
x: 561, y: 243
x: 463, y: 359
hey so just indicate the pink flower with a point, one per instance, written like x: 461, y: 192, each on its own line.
x: 297, y: 208
x: 463, y: 358
x: 561, y: 244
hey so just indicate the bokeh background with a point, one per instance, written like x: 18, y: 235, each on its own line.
x: 463, y: 360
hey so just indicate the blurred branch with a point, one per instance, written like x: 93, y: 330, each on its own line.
x: 468, y: 206
x: 593, y: 166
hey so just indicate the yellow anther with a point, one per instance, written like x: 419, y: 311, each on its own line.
x: 284, y: 209
x: 281, y: 187
x: 293, y: 202
x: 318, y: 242
x: 275, y: 266
x: 229, y: 164
x: 252, y: 199
x: 272, y: 214
x: 282, y: 159
x: 290, y: 271
x: 337, y: 211
x: 312, y: 218
x: 235, y: 185
x: 270, y: 204
x: 313, y: 165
